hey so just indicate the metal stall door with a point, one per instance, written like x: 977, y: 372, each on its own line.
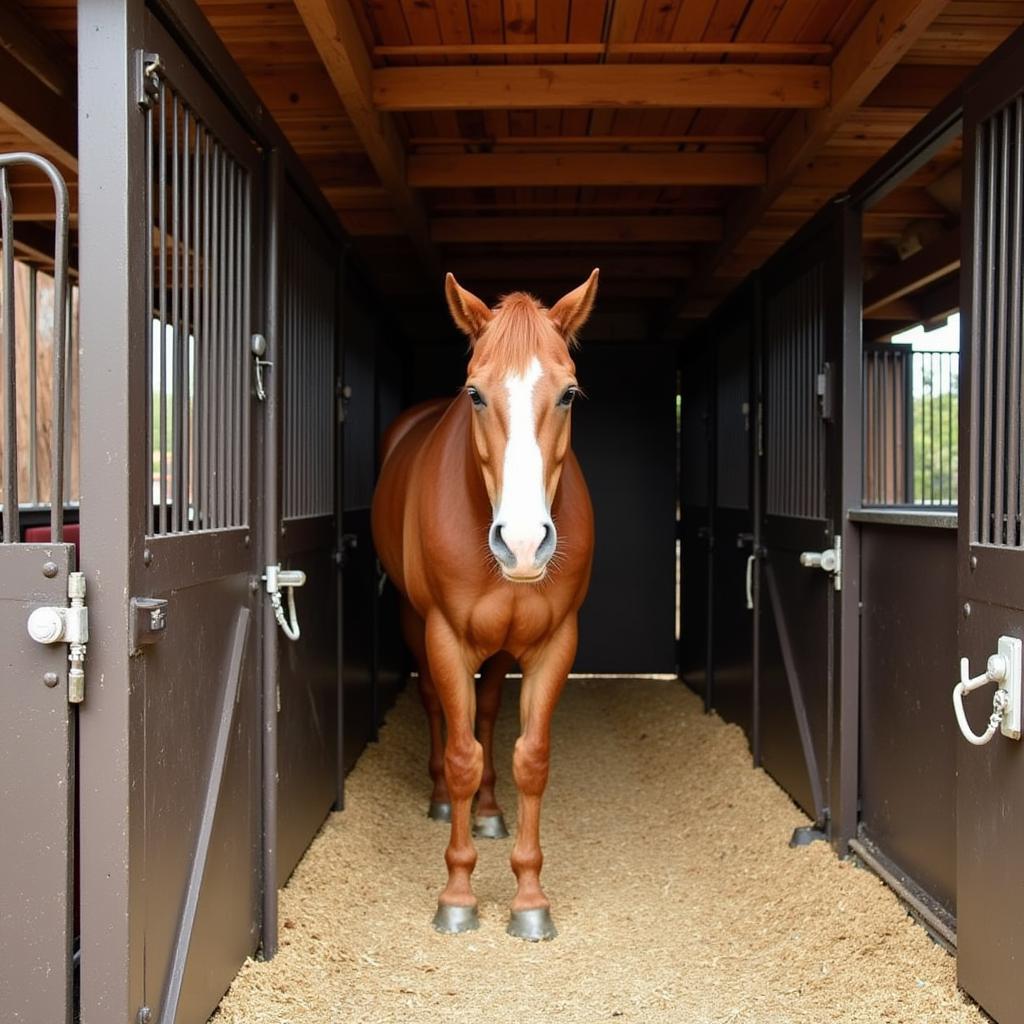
x: 990, y: 777
x: 732, y: 553
x: 801, y: 514
x: 37, y: 726
x: 696, y: 463
x: 193, y: 623
x: 307, y: 665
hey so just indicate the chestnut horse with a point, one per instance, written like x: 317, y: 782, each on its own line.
x: 482, y: 520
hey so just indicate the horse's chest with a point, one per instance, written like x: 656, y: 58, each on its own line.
x: 511, y: 621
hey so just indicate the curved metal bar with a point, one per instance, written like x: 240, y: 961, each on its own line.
x: 60, y: 326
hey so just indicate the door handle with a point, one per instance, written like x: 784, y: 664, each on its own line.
x: 1003, y: 669
x: 750, y: 581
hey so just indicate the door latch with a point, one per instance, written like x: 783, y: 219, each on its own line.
x: 70, y: 625
x: 258, y: 345
x: 830, y: 560
x: 278, y: 579
x: 1003, y: 669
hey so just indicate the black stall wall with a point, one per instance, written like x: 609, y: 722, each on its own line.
x: 624, y: 437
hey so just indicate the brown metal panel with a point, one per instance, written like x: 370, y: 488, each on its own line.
x: 908, y: 733
x: 37, y: 789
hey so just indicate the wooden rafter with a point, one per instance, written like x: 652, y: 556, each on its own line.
x: 335, y: 33
x: 935, y: 261
x: 881, y: 38
x: 541, y: 86
x: 494, y: 170
x: 600, y: 49
x: 685, y: 228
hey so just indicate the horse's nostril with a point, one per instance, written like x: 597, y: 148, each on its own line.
x: 546, y: 548
x: 501, y: 551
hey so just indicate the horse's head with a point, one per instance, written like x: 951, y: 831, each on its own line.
x: 521, y: 383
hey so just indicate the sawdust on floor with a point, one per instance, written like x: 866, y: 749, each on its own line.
x: 675, y: 893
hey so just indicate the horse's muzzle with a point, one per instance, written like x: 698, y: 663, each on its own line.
x: 523, y: 554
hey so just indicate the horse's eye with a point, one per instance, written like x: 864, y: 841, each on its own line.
x: 570, y: 394
x: 475, y: 397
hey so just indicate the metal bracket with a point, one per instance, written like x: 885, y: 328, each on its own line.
x: 1003, y: 669
x: 149, y: 67
x: 70, y: 625
x: 148, y: 622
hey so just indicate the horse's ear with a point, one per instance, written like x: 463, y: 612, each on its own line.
x: 571, y: 311
x: 471, y: 315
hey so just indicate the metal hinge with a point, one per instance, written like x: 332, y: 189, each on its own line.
x: 53, y: 624
x: 149, y: 66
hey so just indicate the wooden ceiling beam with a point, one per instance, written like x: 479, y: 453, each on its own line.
x: 45, y: 55
x: 692, y: 228
x: 335, y: 33
x: 935, y: 261
x: 568, y: 49
x: 495, y: 170
x: 562, y: 86
x: 661, y: 142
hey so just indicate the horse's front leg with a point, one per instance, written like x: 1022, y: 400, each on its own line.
x: 452, y: 670
x: 544, y: 675
x: 489, y: 822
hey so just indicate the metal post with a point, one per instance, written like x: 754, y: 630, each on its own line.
x: 271, y: 523
x: 114, y: 241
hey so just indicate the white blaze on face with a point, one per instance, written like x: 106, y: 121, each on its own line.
x: 522, y: 509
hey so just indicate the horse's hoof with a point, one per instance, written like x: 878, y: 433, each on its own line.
x: 439, y: 811
x: 532, y: 925
x: 490, y: 826
x: 451, y: 919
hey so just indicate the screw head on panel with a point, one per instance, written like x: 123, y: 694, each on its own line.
x: 247, y: 540
x: 147, y: 557
x: 967, y: 609
x: 144, y: 1016
x: 50, y: 679
x: 254, y: 584
x: 49, y: 570
x: 973, y: 562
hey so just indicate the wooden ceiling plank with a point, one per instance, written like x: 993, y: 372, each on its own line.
x: 684, y: 228
x: 494, y: 170
x: 478, y: 87
x: 335, y: 32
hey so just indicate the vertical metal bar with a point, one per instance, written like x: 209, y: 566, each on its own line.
x: 988, y: 255
x: 185, y: 405
x: 237, y: 383
x: 33, y: 385
x: 247, y: 245
x: 999, y: 266
x: 176, y: 342
x: 1015, y: 390
x: 230, y: 296
x: 203, y: 398
x: 220, y: 296
x: 148, y: 446
x: 162, y: 345
x: 908, y: 427
x: 12, y: 520
x: 213, y: 384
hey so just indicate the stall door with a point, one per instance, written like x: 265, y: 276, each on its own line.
x: 696, y: 434
x: 800, y: 448
x: 731, y: 570
x: 307, y: 691
x: 990, y: 778
x: 171, y: 297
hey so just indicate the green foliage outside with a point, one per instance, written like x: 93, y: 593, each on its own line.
x: 936, y: 435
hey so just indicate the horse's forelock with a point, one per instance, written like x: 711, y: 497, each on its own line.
x: 519, y: 331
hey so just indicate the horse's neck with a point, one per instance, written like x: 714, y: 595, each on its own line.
x: 460, y: 487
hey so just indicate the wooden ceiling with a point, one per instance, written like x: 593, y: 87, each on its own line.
x: 519, y: 143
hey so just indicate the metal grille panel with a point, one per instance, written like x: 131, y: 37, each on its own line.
x: 795, y: 433
x: 997, y: 305
x: 199, y: 203
x: 308, y: 332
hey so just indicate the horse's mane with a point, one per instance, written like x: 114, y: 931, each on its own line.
x: 519, y: 330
